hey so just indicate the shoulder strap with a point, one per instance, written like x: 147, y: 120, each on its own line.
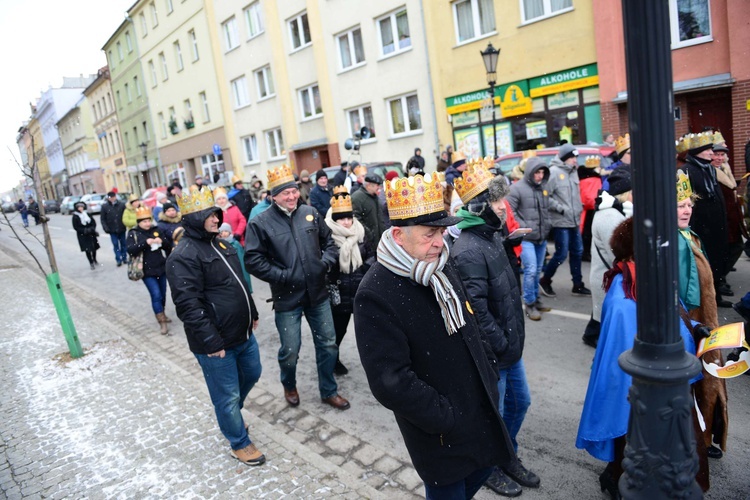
x: 609, y: 266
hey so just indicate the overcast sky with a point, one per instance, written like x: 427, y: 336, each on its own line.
x: 42, y: 41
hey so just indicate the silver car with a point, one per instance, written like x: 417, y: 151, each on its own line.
x: 94, y: 202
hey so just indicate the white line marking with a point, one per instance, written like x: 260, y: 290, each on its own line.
x: 568, y: 314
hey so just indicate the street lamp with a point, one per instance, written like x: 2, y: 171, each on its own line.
x: 490, y: 56
x: 144, y: 150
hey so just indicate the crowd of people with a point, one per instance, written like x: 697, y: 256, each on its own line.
x: 439, y: 271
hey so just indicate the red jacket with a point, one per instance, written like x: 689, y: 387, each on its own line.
x: 512, y: 223
x: 234, y: 218
x: 589, y: 188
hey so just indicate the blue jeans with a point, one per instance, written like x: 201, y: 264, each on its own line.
x: 460, y: 490
x: 157, y: 289
x: 229, y: 380
x: 567, y: 239
x: 25, y: 219
x: 119, y: 243
x: 532, y: 258
x: 320, y: 319
x: 515, y: 398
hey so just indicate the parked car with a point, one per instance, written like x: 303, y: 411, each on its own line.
x: 506, y: 162
x: 149, y: 196
x: 94, y: 202
x: 51, y: 206
x: 377, y: 167
x: 8, y: 207
x: 66, y: 207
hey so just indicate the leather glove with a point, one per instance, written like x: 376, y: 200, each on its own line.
x: 513, y: 242
x: 702, y: 331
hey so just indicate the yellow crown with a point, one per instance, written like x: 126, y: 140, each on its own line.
x: 622, y: 144
x: 195, y: 200
x: 360, y: 170
x: 220, y: 192
x: 410, y: 197
x: 236, y: 179
x: 457, y: 156
x: 700, y: 140
x: 683, y: 144
x: 341, y: 203
x: 528, y: 154
x: 718, y: 138
x: 684, y: 188
x: 340, y: 190
x: 474, y: 180
x: 593, y: 161
x: 143, y: 212
x: 279, y: 175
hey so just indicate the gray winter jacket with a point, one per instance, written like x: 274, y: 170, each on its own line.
x: 530, y: 202
x: 564, y: 195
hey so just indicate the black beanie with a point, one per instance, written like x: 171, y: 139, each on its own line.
x: 320, y: 173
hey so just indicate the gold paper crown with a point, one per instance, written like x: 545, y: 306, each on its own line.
x: 195, y: 200
x: 219, y: 192
x: 529, y: 153
x: 700, y: 140
x: 236, y: 179
x: 718, y: 138
x: 684, y: 188
x: 360, y: 170
x: 341, y: 203
x: 457, y: 156
x: 474, y: 180
x: 593, y: 161
x: 622, y: 144
x: 410, y: 197
x: 683, y: 144
x: 279, y: 175
x: 340, y: 190
x: 143, y: 212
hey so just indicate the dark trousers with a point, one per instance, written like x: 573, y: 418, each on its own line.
x: 460, y: 490
x: 340, y: 324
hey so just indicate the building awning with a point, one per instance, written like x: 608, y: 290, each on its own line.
x: 706, y: 82
x: 310, y: 144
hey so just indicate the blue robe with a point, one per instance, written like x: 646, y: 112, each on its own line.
x: 606, y: 409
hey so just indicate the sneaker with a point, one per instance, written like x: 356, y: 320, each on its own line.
x: 521, y: 474
x: 541, y: 307
x: 545, y: 285
x: 249, y: 455
x: 580, y: 289
x: 502, y: 484
x: 533, y: 313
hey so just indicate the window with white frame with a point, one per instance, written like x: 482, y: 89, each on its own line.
x: 144, y: 25
x: 194, y: 45
x: 309, y: 98
x: 188, y: 110
x: 393, y: 31
x: 204, y: 105
x: 403, y: 114
x: 127, y: 93
x: 152, y: 71
x: 239, y: 92
x: 351, y: 49
x: 119, y: 100
x: 299, y: 32
x: 253, y: 20
x: 169, y: 6
x: 126, y: 139
x: 275, y: 144
x: 119, y: 51
x: 144, y: 126
x: 109, y: 58
x: 128, y: 42
x: 93, y: 111
x: 473, y: 19
x: 231, y: 37
x: 178, y: 55
x: 250, y: 145
x: 264, y: 82
x: 164, y: 70
x: 534, y: 9
x: 690, y: 22
x: 137, y: 86
x: 360, y: 117
x: 154, y: 16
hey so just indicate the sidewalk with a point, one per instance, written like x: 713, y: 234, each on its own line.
x: 122, y: 421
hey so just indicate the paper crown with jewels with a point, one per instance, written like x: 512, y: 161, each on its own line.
x: 593, y: 161
x: 220, y: 192
x: 341, y: 203
x: 475, y: 179
x: 684, y: 188
x: 143, y: 212
x: 718, y: 138
x: 415, y: 200
x: 682, y: 144
x: 701, y: 141
x: 195, y: 200
x: 360, y: 170
x: 622, y: 144
x: 236, y: 179
x: 280, y: 178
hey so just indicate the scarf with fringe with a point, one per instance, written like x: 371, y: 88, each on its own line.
x: 627, y: 269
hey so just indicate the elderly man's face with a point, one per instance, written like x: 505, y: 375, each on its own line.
x: 287, y: 198
x: 424, y: 243
x: 322, y: 181
x: 719, y: 158
x: 371, y: 187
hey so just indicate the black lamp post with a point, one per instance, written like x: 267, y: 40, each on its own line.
x: 660, y: 460
x: 144, y: 174
x: 490, y: 56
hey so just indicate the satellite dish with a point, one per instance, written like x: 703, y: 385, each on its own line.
x: 365, y: 133
x: 349, y: 144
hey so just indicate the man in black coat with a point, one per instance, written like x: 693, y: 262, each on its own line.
x: 422, y: 349
x: 111, y: 219
x: 291, y: 247
x: 320, y: 195
x: 367, y: 207
x: 241, y: 197
x: 341, y: 175
x: 495, y: 296
x: 215, y: 305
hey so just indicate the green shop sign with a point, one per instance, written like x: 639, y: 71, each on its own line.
x: 468, y: 102
x: 561, y: 81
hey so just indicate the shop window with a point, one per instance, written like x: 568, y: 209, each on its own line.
x: 534, y: 10
x: 299, y: 32
x: 565, y: 127
x: 690, y: 22
x: 394, y: 34
x: 351, y: 49
x: 404, y: 114
x: 212, y: 165
x: 473, y: 19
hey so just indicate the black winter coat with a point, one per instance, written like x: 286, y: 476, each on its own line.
x: 709, y: 219
x: 339, y: 178
x: 348, y: 283
x: 292, y: 254
x: 320, y: 199
x: 153, y: 260
x: 111, y: 217
x: 209, y: 291
x: 366, y: 209
x: 167, y: 226
x: 493, y: 291
x: 244, y: 201
x: 441, y: 388
x: 87, y: 237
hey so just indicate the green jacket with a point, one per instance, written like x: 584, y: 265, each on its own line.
x: 690, y: 287
x: 128, y: 216
x: 241, y: 255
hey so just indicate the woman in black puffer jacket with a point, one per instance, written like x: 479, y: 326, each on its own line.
x: 149, y: 240
x: 355, y: 257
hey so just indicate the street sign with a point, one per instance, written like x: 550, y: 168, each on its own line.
x: 217, y: 149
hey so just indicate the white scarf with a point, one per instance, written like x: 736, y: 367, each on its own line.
x: 85, y: 219
x: 348, y: 241
x: 396, y: 260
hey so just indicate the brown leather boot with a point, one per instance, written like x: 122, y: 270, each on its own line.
x: 162, y: 319
x: 249, y: 455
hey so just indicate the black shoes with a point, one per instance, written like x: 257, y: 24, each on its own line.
x: 581, y: 290
x: 725, y: 290
x: 590, y: 340
x: 723, y: 303
x: 521, y: 474
x: 119, y: 263
x: 502, y: 484
x: 714, y: 452
x: 340, y: 369
x: 93, y: 266
x: 608, y: 484
x: 546, y: 285
x: 742, y: 311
